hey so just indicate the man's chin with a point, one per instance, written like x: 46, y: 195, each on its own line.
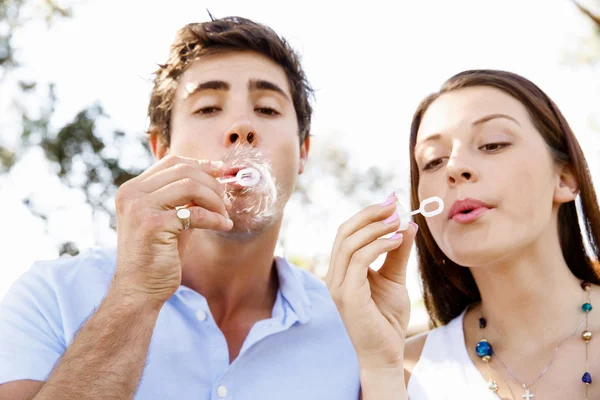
x: 245, y: 228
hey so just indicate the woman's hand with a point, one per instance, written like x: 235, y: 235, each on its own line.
x: 374, y: 305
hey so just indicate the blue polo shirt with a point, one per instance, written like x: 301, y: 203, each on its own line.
x: 301, y: 352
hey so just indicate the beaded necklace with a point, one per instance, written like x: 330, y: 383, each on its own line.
x: 485, y: 351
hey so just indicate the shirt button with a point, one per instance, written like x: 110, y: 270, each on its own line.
x: 222, y: 391
x: 201, y: 315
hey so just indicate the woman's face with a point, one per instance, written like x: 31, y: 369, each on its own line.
x: 478, y: 150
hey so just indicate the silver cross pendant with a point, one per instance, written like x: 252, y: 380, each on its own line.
x: 528, y: 395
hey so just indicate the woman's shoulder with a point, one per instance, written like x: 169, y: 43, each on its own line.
x: 412, y: 353
x: 435, y: 340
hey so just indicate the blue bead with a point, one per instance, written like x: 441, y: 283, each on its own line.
x: 586, y: 378
x: 587, y: 307
x: 483, y: 348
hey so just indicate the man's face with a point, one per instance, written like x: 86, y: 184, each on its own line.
x: 228, y: 102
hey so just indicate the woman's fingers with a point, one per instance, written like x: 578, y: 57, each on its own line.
x: 347, y: 249
x: 394, y: 266
x: 363, y: 258
x: 373, y: 213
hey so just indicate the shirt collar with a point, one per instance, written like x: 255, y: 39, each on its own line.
x: 291, y: 295
x: 292, y: 290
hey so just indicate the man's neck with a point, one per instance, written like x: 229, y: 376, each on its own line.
x: 233, y: 275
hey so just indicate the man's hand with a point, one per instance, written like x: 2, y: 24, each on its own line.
x: 150, y: 235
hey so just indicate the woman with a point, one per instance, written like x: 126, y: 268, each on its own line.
x: 506, y: 278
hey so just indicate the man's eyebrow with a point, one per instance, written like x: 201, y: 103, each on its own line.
x: 193, y: 89
x: 261, y: 84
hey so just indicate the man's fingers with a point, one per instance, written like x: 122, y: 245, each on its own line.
x: 210, y: 167
x: 357, y: 241
x: 188, y: 191
x: 394, y: 266
x: 178, y: 172
x: 200, y: 218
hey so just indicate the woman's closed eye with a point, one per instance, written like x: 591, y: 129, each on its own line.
x: 433, y: 164
x: 494, y: 147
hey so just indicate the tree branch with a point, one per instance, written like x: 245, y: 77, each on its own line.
x: 595, y: 18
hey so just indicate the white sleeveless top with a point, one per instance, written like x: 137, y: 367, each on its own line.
x: 445, y: 371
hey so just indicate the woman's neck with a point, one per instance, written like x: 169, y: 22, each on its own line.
x: 530, y: 298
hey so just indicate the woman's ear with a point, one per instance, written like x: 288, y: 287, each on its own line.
x: 567, y: 188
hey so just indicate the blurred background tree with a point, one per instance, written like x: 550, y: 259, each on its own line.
x: 588, y: 50
x: 84, y: 156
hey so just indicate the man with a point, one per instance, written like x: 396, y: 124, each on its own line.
x: 192, y: 304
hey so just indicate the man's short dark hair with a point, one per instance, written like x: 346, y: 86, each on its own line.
x: 225, y: 35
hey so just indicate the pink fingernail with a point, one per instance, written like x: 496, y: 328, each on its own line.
x: 397, y: 236
x: 391, y: 218
x: 389, y: 200
x: 415, y: 225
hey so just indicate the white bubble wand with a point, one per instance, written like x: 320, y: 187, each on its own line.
x: 245, y: 177
x: 405, y: 217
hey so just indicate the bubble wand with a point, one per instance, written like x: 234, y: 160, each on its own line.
x: 405, y: 218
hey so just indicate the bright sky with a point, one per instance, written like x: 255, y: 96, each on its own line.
x: 371, y: 64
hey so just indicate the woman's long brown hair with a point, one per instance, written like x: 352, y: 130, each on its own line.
x: 449, y: 288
